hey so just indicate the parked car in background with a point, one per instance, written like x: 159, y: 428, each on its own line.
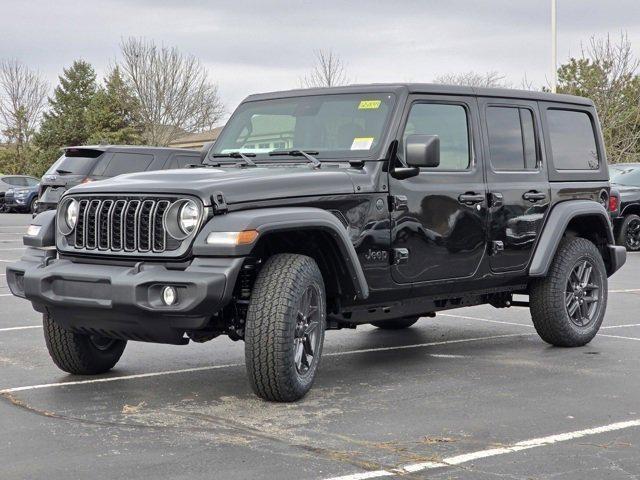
x: 91, y: 163
x: 22, y: 199
x: 625, y: 179
x: 14, y: 182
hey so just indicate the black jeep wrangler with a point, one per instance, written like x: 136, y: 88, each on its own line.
x: 330, y: 208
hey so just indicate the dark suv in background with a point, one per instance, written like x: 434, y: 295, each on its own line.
x: 90, y: 163
x: 625, y: 179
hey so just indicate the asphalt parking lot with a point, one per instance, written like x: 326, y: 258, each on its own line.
x: 470, y: 394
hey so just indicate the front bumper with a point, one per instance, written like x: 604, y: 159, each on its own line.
x: 124, y: 301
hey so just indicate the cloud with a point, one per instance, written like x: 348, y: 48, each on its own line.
x: 254, y: 46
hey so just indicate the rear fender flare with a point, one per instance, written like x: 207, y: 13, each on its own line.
x: 556, y: 226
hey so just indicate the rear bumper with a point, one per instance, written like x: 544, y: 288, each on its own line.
x: 124, y: 301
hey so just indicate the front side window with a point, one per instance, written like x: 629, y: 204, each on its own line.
x: 512, y: 140
x: 335, y: 126
x: 573, y: 141
x: 450, y: 123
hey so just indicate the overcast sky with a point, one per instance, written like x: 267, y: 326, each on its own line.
x: 257, y: 46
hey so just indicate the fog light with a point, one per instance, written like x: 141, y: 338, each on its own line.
x: 169, y: 296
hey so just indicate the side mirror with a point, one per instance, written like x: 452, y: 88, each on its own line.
x: 204, y: 151
x: 422, y: 151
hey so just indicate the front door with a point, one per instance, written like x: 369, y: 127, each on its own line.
x: 439, y: 218
x: 519, y: 192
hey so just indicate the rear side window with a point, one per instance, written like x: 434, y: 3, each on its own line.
x: 450, y: 123
x: 573, y: 140
x: 181, y: 161
x: 512, y: 138
x: 127, y: 163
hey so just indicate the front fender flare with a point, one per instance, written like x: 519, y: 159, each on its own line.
x: 282, y: 219
x: 556, y: 225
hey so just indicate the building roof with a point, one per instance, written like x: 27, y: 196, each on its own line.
x: 428, y: 88
x: 196, y: 140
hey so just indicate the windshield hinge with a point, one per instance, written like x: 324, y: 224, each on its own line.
x: 219, y: 203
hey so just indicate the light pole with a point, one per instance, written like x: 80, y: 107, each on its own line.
x: 554, y: 45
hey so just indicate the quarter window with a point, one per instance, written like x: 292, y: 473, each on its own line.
x: 573, y: 141
x: 512, y: 138
x: 127, y: 163
x: 450, y: 123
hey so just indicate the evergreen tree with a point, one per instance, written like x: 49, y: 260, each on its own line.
x: 66, y: 122
x: 114, y: 113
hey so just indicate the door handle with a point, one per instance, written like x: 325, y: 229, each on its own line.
x: 471, y: 198
x: 534, y: 196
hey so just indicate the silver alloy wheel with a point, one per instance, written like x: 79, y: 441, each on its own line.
x: 307, y: 338
x: 582, y: 295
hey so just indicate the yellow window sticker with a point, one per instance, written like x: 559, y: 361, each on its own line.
x: 369, y: 104
x: 362, y: 143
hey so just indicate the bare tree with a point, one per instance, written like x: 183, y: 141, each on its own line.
x: 23, y: 95
x: 473, y: 79
x: 329, y: 71
x: 174, y: 90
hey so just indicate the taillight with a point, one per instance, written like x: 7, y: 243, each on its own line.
x: 613, y: 203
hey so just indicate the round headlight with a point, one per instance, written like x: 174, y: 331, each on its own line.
x: 71, y: 214
x: 188, y: 217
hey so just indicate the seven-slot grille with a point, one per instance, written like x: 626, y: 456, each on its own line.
x: 121, y: 225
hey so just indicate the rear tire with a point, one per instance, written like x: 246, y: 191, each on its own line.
x: 629, y: 235
x: 285, y: 328
x: 396, y: 323
x: 80, y: 354
x: 568, y: 305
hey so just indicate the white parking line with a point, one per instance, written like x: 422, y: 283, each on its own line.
x: 13, y: 329
x: 492, y: 452
x: 531, y: 326
x: 216, y: 367
x: 626, y: 290
x: 10, y: 249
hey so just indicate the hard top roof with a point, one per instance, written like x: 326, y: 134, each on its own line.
x: 427, y: 88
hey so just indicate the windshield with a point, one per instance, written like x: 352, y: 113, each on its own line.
x: 331, y: 126
x: 71, y: 166
x: 625, y: 175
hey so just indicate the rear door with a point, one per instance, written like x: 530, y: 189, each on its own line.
x: 439, y: 220
x: 519, y: 193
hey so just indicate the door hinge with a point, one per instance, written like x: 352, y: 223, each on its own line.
x: 400, y: 256
x: 495, y: 199
x: 497, y: 246
x: 398, y: 202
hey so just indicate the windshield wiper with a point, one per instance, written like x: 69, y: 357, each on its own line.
x: 299, y: 153
x: 243, y: 156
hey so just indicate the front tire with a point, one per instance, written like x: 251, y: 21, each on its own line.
x: 285, y: 328
x: 33, y: 205
x: 80, y: 354
x: 629, y: 235
x: 396, y: 323
x: 568, y: 305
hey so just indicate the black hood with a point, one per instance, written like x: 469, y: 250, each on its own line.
x: 238, y: 184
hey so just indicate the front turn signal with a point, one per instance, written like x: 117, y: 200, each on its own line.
x: 245, y: 237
